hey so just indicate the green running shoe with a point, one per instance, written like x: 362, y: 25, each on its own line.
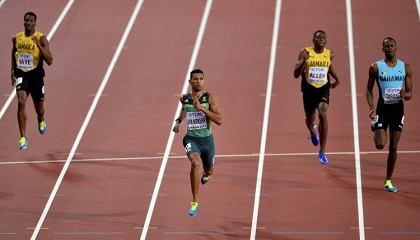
x: 193, y: 209
x: 23, y: 144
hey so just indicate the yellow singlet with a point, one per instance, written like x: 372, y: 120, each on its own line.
x: 27, y: 55
x: 317, y: 66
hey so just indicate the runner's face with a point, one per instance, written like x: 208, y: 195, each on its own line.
x: 29, y: 23
x: 320, y: 40
x: 197, y: 82
x: 389, y: 48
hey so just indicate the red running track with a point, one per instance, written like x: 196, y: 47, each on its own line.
x: 107, y: 190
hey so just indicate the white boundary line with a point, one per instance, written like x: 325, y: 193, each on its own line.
x: 355, y: 121
x: 2, y: 2
x: 418, y: 7
x: 183, y: 156
x: 87, y: 119
x: 172, y: 134
x: 266, y: 118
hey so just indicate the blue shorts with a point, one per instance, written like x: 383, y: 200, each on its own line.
x: 204, y: 146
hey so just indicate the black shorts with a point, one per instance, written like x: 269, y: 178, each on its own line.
x: 389, y: 115
x: 313, y: 97
x: 32, y: 83
x: 203, y: 146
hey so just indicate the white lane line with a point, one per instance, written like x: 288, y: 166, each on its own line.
x: 87, y: 119
x: 355, y: 121
x: 172, y: 134
x: 2, y: 2
x: 418, y: 7
x: 104, y: 159
x: 266, y: 118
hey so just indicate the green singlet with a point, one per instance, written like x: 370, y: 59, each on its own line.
x: 198, y: 124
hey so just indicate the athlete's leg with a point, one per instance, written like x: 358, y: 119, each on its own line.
x: 194, y: 174
x: 323, y: 125
x: 207, y: 156
x: 208, y: 171
x: 37, y: 92
x: 310, y: 111
x: 39, y: 108
x: 394, y: 137
x: 310, y: 122
x: 21, y: 112
x: 380, y: 138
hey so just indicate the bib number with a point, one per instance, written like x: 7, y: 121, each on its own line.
x: 317, y: 74
x: 25, y: 61
x: 196, y: 120
x: 392, y: 95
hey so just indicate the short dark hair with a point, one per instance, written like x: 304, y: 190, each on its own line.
x: 319, y: 31
x: 29, y: 14
x: 388, y: 38
x: 196, y: 71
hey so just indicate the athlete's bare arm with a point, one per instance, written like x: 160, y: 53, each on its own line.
x: 303, y: 55
x: 373, y: 74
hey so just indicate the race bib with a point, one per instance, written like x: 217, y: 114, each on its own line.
x: 25, y: 61
x: 317, y: 74
x: 196, y: 120
x: 392, y: 95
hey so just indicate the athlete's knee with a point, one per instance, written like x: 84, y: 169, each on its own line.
x: 22, y: 102
x: 195, y: 162
x: 322, y: 110
x: 393, y: 147
x: 379, y: 144
x: 323, y: 114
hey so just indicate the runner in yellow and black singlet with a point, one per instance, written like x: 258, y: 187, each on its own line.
x: 315, y: 67
x: 30, y: 49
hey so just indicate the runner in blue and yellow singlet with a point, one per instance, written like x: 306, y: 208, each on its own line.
x: 393, y: 78
x: 201, y: 109
x: 30, y: 50
x: 314, y: 65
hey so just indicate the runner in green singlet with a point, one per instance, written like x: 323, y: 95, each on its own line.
x: 200, y: 108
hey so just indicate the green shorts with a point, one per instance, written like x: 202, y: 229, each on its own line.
x: 204, y: 146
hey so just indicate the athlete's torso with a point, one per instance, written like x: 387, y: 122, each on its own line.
x: 315, y: 72
x: 390, y: 81
x: 198, y: 124
x: 28, y: 56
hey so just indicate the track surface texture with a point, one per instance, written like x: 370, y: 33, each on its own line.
x: 109, y: 166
